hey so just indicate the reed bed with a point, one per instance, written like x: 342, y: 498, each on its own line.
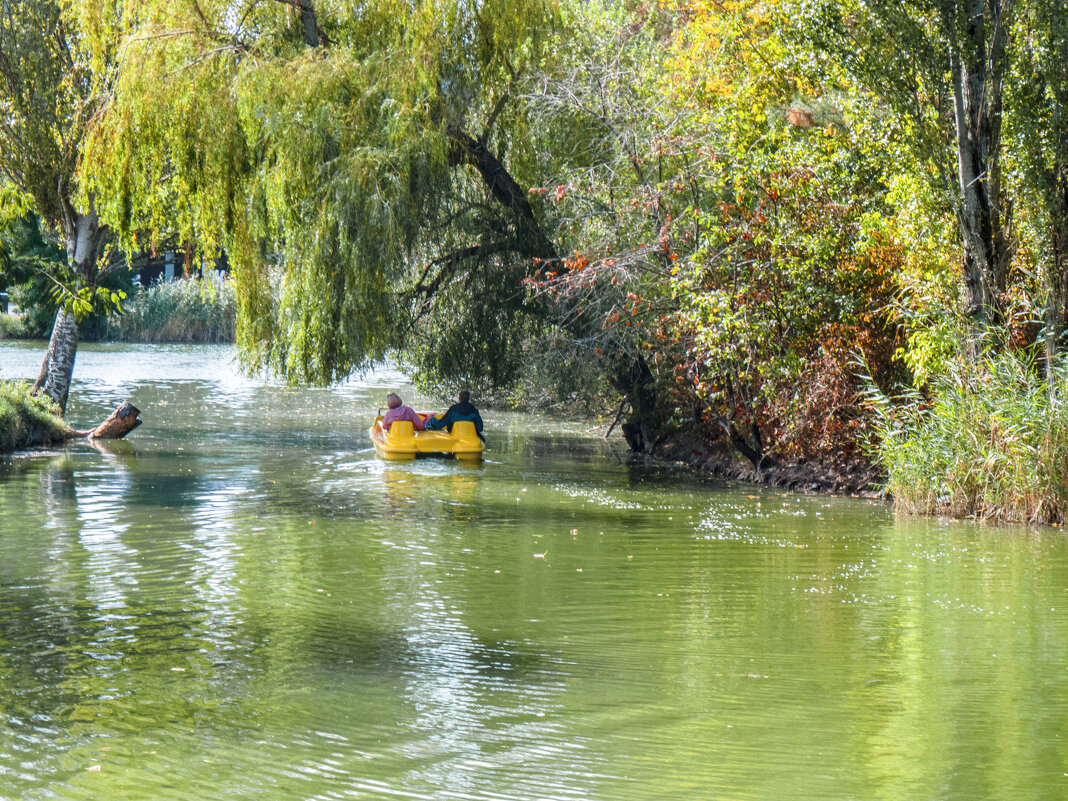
x: 989, y: 440
x: 187, y: 310
x: 11, y: 326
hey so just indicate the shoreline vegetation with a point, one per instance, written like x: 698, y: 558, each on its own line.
x: 185, y: 310
x: 857, y: 477
x: 30, y: 421
x: 988, y: 440
x: 27, y: 421
x: 1010, y: 465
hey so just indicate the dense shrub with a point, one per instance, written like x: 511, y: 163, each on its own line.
x: 989, y: 440
x: 26, y: 420
x: 187, y: 310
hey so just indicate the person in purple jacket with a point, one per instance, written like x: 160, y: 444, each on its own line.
x: 398, y: 411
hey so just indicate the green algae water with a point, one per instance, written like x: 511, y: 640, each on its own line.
x: 241, y: 602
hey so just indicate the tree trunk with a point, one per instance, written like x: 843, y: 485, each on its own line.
x: 58, y: 366
x: 753, y: 451
x: 633, y: 378
x: 978, y: 65
x: 466, y: 149
x: 311, y: 25
x: 84, y: 235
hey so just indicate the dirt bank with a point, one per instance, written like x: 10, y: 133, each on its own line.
x: 853, y: 477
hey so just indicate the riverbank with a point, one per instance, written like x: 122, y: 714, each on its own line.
x: 26, y: 421
x: 855, y: 477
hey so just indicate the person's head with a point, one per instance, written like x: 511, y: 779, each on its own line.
x: 465, y: 396
x: 393, y: 400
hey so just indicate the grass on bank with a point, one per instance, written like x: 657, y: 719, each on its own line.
x: 25, y: 420
x: 989, y: 441
x: 186, y: 310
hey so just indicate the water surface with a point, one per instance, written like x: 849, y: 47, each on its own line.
x: 242, y: 602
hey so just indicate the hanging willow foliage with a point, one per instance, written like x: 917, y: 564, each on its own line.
x: 345, y: 155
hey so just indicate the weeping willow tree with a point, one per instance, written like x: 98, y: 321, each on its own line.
x: 364, y: 165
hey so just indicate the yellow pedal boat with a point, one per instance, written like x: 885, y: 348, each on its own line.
x: 402, y: 441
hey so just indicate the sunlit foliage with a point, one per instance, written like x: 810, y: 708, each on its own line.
x: 349, y: 181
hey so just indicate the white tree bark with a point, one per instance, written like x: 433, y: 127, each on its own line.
x: 59, y: 361
x: 83, y: 234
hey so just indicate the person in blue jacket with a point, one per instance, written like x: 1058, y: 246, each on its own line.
x: 464, y: 410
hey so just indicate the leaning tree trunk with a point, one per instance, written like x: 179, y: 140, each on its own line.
x: 121, y: 422
x: 84, y: 235
x: 466, y: 149
x: 58, y: 366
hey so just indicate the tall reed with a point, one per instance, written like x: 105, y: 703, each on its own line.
x: 989, y: 440
x: 11, y: 326
x: 187, y: 310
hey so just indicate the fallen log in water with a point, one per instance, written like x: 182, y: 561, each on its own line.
x: 121, y: 422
